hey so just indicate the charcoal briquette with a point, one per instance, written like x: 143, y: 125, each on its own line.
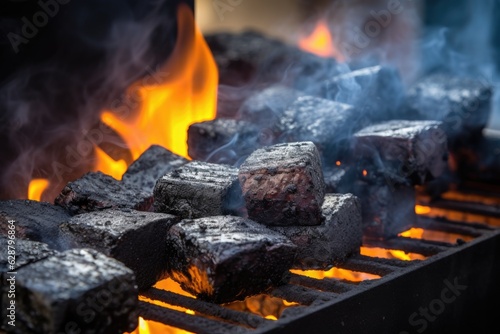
x: 283, y: 184
x: 133, y: 237
x: 226, y: 258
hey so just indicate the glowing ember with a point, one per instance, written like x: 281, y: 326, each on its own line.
x: 262, y: 305
x: 420, y: 233
x: 152, y: 327
x: 187, y: 95
x: 390, y: 254
x: 320, y: 42
x: 36, y: 188
x: 338, y: 273
x: 422, y: 210
x: 338, y: 163
x: 365, y: 172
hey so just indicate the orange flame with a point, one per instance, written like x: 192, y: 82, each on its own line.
x: 187, y: 95
x: 152, y: 327
x: 422, y: 210
x: 36, y: 188
x: 390, y: 254
x: 338, y: 273
x: 320, y: 42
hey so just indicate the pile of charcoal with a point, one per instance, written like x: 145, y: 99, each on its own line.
x: 293, y: 173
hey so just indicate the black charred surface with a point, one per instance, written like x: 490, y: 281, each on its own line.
x: 23, y: 252
x: 267, y: 106
x: 462, y: 104
x: 387, y: 208
x: 283, y: 184
x: 222, y: 141
x: 199, y: 189
x: 377, y: 91
x: 416, y: 149
x: 97, y: 191
x: 338, y: 236
x: 250, y: 57
x: 226, y: 258
x: 135, y: 238
x: 155, y: 162
x: 80, y: 288
x: 37, y: 221
x: 328, y: 124
x: 479, y: 161
x: 249, y: 61
x: 339, y: 179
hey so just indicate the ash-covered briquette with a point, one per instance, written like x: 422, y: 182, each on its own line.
x: 15, y: 254
x: 417, y: 149
x: 97, y: 191
x: 133, y: 237
x: 199, y: 189
x: 463, y: 104
x: 22, y: 253
x: 33, y: 220
x: 377, y: 92
x: 338, y: 236
x: 283, y: 184
x: 77, y: 291
x: 266, y: 107
x: 387, y: 208
x: 328, y: 124
x: 222, y: 141
x: 226, y: 258
x: 155, y: 162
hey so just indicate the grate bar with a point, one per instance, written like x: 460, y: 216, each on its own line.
x: 301, y: 294
x: 451, y: 227
x: 367, y: 265
x: 185, y: 321
x: 419, y: 246
x: 206, y: 308
x: 325, y: 284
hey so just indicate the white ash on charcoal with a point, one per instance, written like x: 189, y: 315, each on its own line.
x: 97, y: 191
x: 462, y: 104
x: 153, y: 163
x: 331, y: 242
x: 24, y: 253
x: 377, y: 92
x: 339, y: 179
x: 135, y: 238
x: 283, y: 184
x: 266, y: 107
x: 37, y: 221
x: 328, y: 124
x: 222, y: 141
x: 78, y: 291
x: 200, y: 189
x: 226, y: 258
x: 416, y: 150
